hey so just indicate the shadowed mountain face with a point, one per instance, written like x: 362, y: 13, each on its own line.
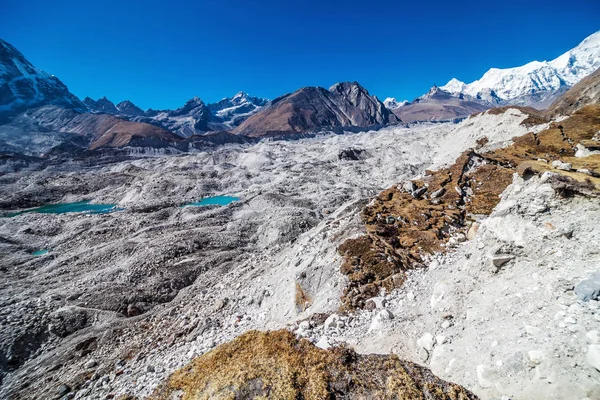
x: 315, y: 108
x: 439, y: 105
x: 23, y: 86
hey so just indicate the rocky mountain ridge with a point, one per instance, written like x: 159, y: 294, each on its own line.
x: 23, y: 86
x: 344, y: 105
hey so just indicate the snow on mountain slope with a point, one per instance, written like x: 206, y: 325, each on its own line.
x: 391, y: 103
x: 24, y: 86
x: 536, y: 76
x: 233, y: 111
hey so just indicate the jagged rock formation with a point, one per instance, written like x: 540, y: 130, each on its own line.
x: 193, y: 118
x: 440, y: 105
x: 128, y: 108
x: 277, y: 365
x: 102, y: 105
x: 309, y: 109
x: 24, y: 86
x: 235, y: 110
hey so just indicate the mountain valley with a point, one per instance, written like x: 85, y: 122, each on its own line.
x: 443, y: 248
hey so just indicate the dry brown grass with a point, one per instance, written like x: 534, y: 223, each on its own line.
x: 277, y: 365
x: 425, y: 224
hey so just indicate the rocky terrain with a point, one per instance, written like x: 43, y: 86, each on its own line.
x: 359, y: 258
x: 201, y: 275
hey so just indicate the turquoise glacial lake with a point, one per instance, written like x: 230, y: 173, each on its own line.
x: 63, y: 208
x: 40, y: 253
x: 213, y: 201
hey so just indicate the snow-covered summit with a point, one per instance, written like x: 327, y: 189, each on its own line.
x: 391, y: 103
x: 233, y: 110
x: 536, y: 76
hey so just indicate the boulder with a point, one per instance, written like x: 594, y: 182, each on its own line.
x: 409, y: 186
x: 589, y: 289
x: 593, y: 355
x: 563, y: 166
x: 438, y: 193
x: 426, y: 341
x: 417, y: 194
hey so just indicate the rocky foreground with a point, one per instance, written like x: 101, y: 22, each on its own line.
x: 123, y: 300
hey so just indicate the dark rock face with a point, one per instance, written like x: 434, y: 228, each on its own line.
x: 23, y: 86
x: 315, y: 108
x: 103, y: 106
x: 128, y: 108
x: 351, y: 154
x: 361, y: 108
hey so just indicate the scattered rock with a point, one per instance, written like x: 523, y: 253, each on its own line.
x: 426, y: 341
x: 90, y: 364
x: 536, y: 356
x: 589, y: 289
x: 563, y: 166
x: 323, y: 343
x: 62, y: 390
x: 499, y: 260
x: 380, y: 319
x: 593, y: 355
x: 472, y: 231
x: 409, y: 186
x: 417, y: 194
x: 438, y: 193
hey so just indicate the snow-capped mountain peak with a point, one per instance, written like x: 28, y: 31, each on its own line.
x: 454, y: 86
x: 391, y: 103
x: 537, y: 79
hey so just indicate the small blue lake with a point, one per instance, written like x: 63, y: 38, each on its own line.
x: 40, y: 253
x: 62, y: 208
x: 213, y: 201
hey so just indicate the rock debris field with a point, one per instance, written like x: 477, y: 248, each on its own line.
x: 122, y: 300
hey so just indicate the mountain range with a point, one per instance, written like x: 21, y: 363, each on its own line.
x: 40, y: 116
x: 537, y: 83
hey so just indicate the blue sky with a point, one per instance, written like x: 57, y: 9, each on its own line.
x: 160, y: 53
